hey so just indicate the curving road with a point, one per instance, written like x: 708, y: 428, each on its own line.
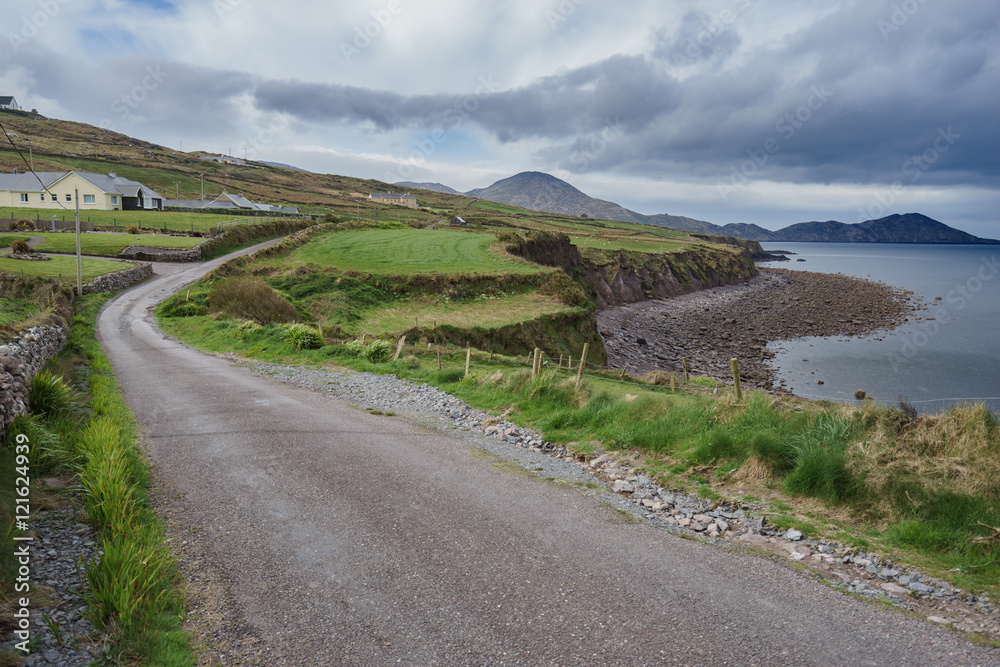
x: 344, y: 538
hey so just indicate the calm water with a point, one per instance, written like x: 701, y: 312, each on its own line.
x: 954, y: 358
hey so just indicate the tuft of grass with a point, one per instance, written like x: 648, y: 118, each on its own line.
x: 49, y: 394
x: 302, y: 336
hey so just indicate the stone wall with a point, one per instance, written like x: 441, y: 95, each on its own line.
x: 154, y: 254
x: 119, y: 280
x: 19, y: 361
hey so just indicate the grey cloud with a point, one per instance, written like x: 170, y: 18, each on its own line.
x: 699, y: 38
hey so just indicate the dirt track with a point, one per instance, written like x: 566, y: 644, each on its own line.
x: 329, y: 536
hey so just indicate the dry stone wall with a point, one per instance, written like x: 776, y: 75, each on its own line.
x: 19, y: 361
x: 119, y: 280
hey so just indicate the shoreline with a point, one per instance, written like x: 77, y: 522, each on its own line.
x: 739, y: 321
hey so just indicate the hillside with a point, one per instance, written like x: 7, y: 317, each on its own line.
x: 433, y: 187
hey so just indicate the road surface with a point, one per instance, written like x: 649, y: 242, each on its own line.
x: 345, y: 538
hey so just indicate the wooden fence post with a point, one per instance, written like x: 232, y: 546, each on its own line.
x: 684, y: 365
x: 439, y: 361
x: 736, y: 379
x: 673, y: 382
x: 468, y: 360
x: 534, y: 363
x: 399, y: 348
x: 583, y: 360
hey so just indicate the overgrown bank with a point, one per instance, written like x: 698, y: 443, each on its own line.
x: 81, y: 432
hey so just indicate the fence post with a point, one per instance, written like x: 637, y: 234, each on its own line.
x: 736, y: 379
x: 468, y: 360
x: 684, y: 365
x: 534, y: 363
x: 439, y: 361
x: 583, y: 360
x: 673, y: 382
x: 399, y: 348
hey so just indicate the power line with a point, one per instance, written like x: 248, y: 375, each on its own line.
x: 23, y: 159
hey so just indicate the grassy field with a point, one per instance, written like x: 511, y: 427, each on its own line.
x: 64, y: 267
x: 433, y: 311
x: 408, y: 252
x: 106, y: 244
x: 639, y: 244
x: 170, y: 220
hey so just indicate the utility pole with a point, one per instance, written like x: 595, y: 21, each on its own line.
x: 203, y: 186
x: 79, y: 259
x: 177, y: 184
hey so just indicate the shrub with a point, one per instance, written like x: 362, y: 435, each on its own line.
x: 22, y: 226
x: 246, y: 329
x: 132, y: 229
x: 189, y: 309
x: 20, y: 247
x: 353, y: 348
x: 49, y: 394
x: 251, y: 298
x: 303, y: 337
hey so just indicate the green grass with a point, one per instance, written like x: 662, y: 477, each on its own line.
x: 64, y: 267
x: 15, y: 310
x: 171, y: 220
x: 133, y: 590
x: 106, y: 244
x: 408, y: 252
x: 640, y: 244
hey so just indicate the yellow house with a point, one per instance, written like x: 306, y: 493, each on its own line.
x: 56, y: 190
x: 407, y: 200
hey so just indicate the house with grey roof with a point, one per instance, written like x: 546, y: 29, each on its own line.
x: 57, y: 189
x: 226, y: 202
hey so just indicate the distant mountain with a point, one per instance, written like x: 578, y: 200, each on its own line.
x: 537, y: 191
x: 433, y: 187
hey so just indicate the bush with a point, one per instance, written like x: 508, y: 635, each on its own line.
x: 20, y: 247
x: 303, y: 337
x: 22, y: 226
x: 189, y: 309
x: 251, y: 299
x: 49, y: 395
x: 132, y: 229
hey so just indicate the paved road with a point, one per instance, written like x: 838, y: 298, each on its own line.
x: 352, y: 539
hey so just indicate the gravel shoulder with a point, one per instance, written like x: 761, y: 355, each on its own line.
x: 738, y: 321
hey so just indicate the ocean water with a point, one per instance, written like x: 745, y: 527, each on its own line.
x: 933, y: 364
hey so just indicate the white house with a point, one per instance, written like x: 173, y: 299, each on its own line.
x: 407, y: 199
x: 56, y: 189
x: 8, y: 102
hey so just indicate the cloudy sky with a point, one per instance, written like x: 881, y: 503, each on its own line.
x: 724, y: 110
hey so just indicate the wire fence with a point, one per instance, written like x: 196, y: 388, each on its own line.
x: 568, y: 367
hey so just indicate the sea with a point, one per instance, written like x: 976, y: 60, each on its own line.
x: 946, y: 354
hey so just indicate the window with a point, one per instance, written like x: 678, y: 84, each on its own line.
x: 69, y: 198
x: 88, y: 199
x: 55, y: 197
x: 24, y: 197
x: 41, y: 197
x: 114, y: 200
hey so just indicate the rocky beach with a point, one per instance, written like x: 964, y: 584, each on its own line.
x: 711, y: 327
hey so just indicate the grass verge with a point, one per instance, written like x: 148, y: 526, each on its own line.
x: 132, y: 593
